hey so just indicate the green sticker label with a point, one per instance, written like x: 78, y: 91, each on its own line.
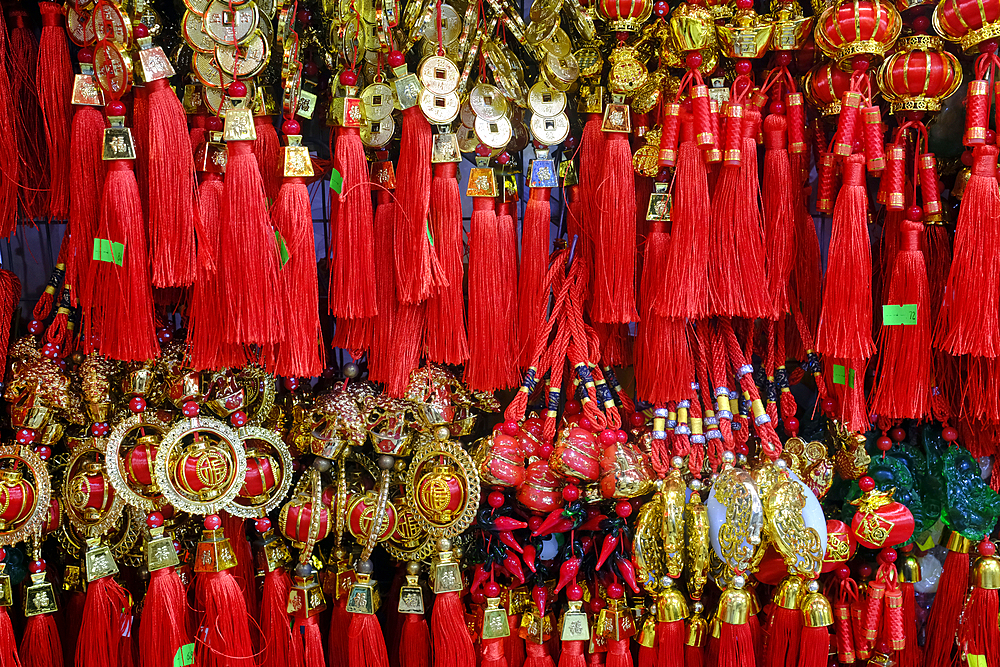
x: 336, y: 181
x: 850, y: 379
x: 430, y: 237
x: 282, y: 249
x: 839, y: 374
x: 184, y: 656
x: 118, y: 253
x: 899, y: 315
x: 106, y: 250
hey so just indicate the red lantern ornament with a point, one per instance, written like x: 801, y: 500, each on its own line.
x: 840, y: 545
x: 880, y: 521
x: 577, y: 454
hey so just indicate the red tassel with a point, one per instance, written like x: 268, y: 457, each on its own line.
x: 946, y: 609
x: 415, y: 279
x: 684, y: 292
x: 415, y: 642
x: 447, y: 342
x: 815, y: 647
x: 571, y: 654
x: 86, y: 183
x: 276, y: 638
x: 912, y: 655
x: 619, y: 654
x: 33, y: 167
x: 171, y: 189
x: 904, y: 380
x: 40, y: 645
x: 355, y: 336
x: 979, y: 635
x: 336, y: 648
x: 845, y: 325
x: 663, y: 367
x: 670, y: 643
x: 270, y: 157
x: 198, y: 133
x: 383, y: 347
x: 352, y: 266
x: 223, y: 639
x: 592, y: 151
x: 105, y: 616
x: 614, y: 265
x: 778, y: 200
x: 118, y: 312
x: 737, y: 240
x: 736, y: 647
x: 534, y: 265
x: 8, y: 644
x: 491, y: 363
x: 492, y: 653
x: 937, y: 258
x: 299, y: 354
x: 306, y: 634
x: 234, y: 528
x: 539, y: 656
x: 967, y: 324
x: 452, y: 646
x: 8, y: 143
x: 784, y: 631
x: 55, y: 89
x: 694, y: 656
x: 249, y: 262
x: 366, y: 646
x: 10, y: 296
x: 140, y: 134
x: 163, y: 625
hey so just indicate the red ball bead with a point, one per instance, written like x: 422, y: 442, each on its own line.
x: 615, y: 590
x: 35, y: 327
x: 744, y: 4
x: 989, y: 46
x: 574, y: 592
x: 262, y: 525
x: 291, y: 126
x: 533, y: 426
x: 44, y: 452
x: 843, y: 572
x: 637, y: 419
x: 915, y: 213
x: 661, y: 9
x: 987, y: 548
x: 991, y: 137
x: 36, y: 566
x: 608, y: 437
x: 865, y: 570
x: 545, y: 450
x: 866, y: 483
x: 777, y: 107
x: 310, y: 69
x: 190, y: 409
x: 888, y: 556
x: 860, y: 63
x: 967, y: 158
x: 139, y: 31
x: 503, y: 158
x: 213, y: 522
x: 621, y: 436
x: 783, y: 59
x: 741, y: 449
x: 897, y: 434
x: 492, y: 589
x: 573, y: 407
x: 99, y: 430
x: 478, y: 597
x: 534, y: 522
x: 238, y: 419
x: 114, y: 108
x: 571, y: 493
x: 694, y: 60
x: 586, y: 424
x: 829, y: 406
x: 743, y: 66
x: 396, y: 59
x: 137, y: 404
x: 154, y: 520
x: 237, y: 89
x: 792, y: 426
x: 304, y: 15
x: 884, y: 443
x: 26, y: 436
x: 291, y: 384
x: 949, y: 433
x: 623, y: 508
x: 511, y: 428
x: 495, y: 499
x: 3, y: 554
x: 214, y: 124
x: 85, y: 55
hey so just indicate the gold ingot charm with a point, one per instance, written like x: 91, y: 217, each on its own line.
x: 85, y: 89
x: 447, y: 575
x: 615, y: 624
x: 411, y: 596
x: 495, y: 623
x: 305, y: 599
x: 160, y: 551
x: 574, y: 623
x: 239, y: 122
x: 154, y: 64
x: 39, y: 598
x: 118, y: 143
x: 481, y: 183
x: 364, y: 598
x: 6, y: 592
x: 98, y: 561
x: 273, y: 554
x: 298, y: 163
x: 617, y: 118
x: 445, y: 147
x: 214, y: 554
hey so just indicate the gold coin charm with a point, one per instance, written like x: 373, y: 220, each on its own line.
x: 558, y: 43
x: 550, y: 131
x: 377, y: 133
x: 378, y: 101
x: 545, y: 101
x: 439, y: 109
x: 245, y: 60
x: 439, y: 75
x: 467, y: 139
x: 494, y: 133
x: 487, y: 102
x: 231, y: 26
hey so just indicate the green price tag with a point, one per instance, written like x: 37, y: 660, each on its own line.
x: 118, y: 253
x: 336, y: 181
x: 430, y: 237
x: 106, y: 250
x: 976, y: 660
x: 184, y: 656
x: 850, y: 379
x: 899, y: 315
x: 839, y: 374
x: 282, y: 249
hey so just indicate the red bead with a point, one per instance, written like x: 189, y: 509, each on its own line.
x: 661, y: 9
x: 586, y: 424
x: 915, y: 213
x: 348, y: 78
x: 26, y: 436
x: 623, y: 508
x: 492, y: 589
x: 865, y: 570
x: 50, y: 351
x: 783, y: 59
x: 989, y: 46
x: 291, y: 126
x: 3, y: 553
x: 860, y: 63
x: 237, y: 89
x: 615, y: 590
x: 139, y: 31
x: 693, y: 60
x: 214, y: 124
x: 777, y: 107
x: 608, y: 437
x: 920, y: 24
x: 897, y: 434
x: 478, y: 597
x: 571, y: 493
x: 85, y: 55
x: 949, y: 433
x: 238, y: 419
x: 164, y: 335
x: 511, y: 428
x: 396, y: 59
x: 987, y: 548
x: 637, y: 419
x: 573, y: 407
x: 35, y: 327
x: 597, y: 603
x: 304, y: 15
x: 114, y: 108
x: 99, y: 430
x: 792, y: 426
x: 291, y: 384
x: 843, y: 572
x: 44, y: 452
x: 574, y: 592
x: 829, y: 406
x: 621, y: 436
x: 36, y: 566
x: 190, y: 409
x: 137, y: 404
x: 534, y: 522
x: 967, y: 158
x: 744, y: 4
x: 262, y: 525
x: 213, y: 522
x: 888, y: 556
x: 743, y: 65
x: 741, y: 449
x: 545, y: 450
x: 991, y: 137
x: 232, y: 403
x: 884, y: 443
x: 310, y: 69
x: 482, y: 150
x: 503, y: 158
x: 154, y: 520
x: 495, y: 499
x: 866, y: 483
x: 533, y: 426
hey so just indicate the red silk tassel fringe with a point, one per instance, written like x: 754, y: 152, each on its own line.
x: 913, y: 654
x: 614, y: 267
x: 980, y: 634
x: 534, y: 265
x: 415, y: 278
x: 815, y: 647
x: 86, y: 170
x: 223, y: 638
x: 778, y: 200
x: 452, y: 646
x: 366, y: 646
x: 492, y: 653
x: 669, y: 643
x: 270, y: 157
x: 736, y: 646
x: 946, y: 609
x: 808, y: 266
x: 619, y: 654
x: 308, y: 642
x: 539, y: 655
x: 276, y: 637
x: 234, y: 528
x: 8, y: 643
x: 415, y: 642
x: 572, y: 654
x: 383, y: 346
x: 40, y: 644
x: 447, y: 342
x: 105, y: 614
x: 784, y: 633
x: 33, y: 165
x: 10, y: 296
x: 55, y: 90
x: 8, y: 144
x: 163, y: 625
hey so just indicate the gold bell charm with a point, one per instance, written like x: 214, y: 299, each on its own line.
x: 39, y: 597
x: 363, y: 598
x: 98, y: 561
x: 574, y: 623
x: 160, y: 551
x: 411, y: 595
x: 495, y: 623
x: 305, y: 600
x: 214, y: 553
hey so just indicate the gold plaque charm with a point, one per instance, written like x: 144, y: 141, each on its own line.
x: 481, y: 182
x: 39, y: 598
x: 445, y: 147
x: 214, y: 553
x: 617, y: 118
x: 305, y: 600
x: 160, y: 552
x: 239, y: 122
x: 98, y: 561
x: 363, y: 598
x: 574, y: 623
x: 411, y: 596
x: 212, y: 155
x: 543, y: 171
x: 408, y: 89
x: 660, y: 203
x: 495, y: 622
x: 298, y: 163
x: 154, y: 64
x: 6, y: 592
x: 447, y: 574
x: 85, y: 89
x: 118, y: 144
